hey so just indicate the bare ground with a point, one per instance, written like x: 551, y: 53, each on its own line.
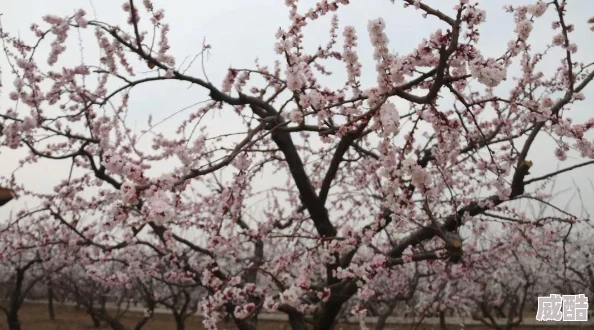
x: 35, y: 317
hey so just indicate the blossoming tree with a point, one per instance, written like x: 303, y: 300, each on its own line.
x: 26, y: 260
x: 354, y: 182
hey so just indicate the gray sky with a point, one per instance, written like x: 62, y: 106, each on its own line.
x: 241, y: 31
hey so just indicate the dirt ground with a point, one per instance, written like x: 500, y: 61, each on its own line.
x: 35, y: 317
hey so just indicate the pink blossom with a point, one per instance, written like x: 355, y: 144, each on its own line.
x: 390, y: 118
x: 242, y: 162
x: 538, y: 9
x: 488, y: 72
x: 296, y: 116
x: 558, y: 39
x: 523, y: 29
x: 79, y: 18
x: 229, y: 80
x: 350, y: 55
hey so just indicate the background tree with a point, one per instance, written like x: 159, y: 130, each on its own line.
x: 25, y: 260
x: 104, y: 299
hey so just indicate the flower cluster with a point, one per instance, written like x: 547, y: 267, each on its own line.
x: 488, y: 72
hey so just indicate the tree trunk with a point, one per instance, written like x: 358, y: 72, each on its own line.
x: 442, y: 321
x: 141, y: 323
x: 180, y: 321
x: 12, y: 318
x: 13, y: 322
x: 244, y: 324
x: 94, y: 318
x: 96, y: 322
x: 114, y: 324
x: 325, y: 316
x: 382, y: 318
x: 326, y: 319
x: 50, y: 302
x: 297, y: 322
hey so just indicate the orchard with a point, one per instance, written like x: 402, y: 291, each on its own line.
x: 355, y: 168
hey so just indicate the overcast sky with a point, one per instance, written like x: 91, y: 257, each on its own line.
x: 241, y: 31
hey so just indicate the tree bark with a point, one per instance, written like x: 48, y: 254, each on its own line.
x: 180, y: 321
x: 325, y: 317
x: 50, y: 301
x: 296, y: 319
x: 244, y: 324
x: 13, y: 322
x: 12, y: 317
x: 96, y: 320
x: 141, y: 323
x: 381, y: 320
x: 442, y: 321
x: 115, y: 324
